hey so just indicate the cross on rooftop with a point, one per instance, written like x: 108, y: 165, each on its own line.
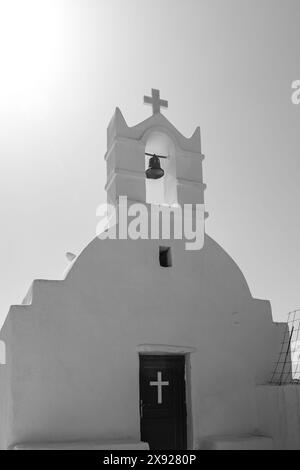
x: 155, y: 101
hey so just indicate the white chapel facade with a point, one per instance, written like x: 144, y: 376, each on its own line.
x: 144, y: 344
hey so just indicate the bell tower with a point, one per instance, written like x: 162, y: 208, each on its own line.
x: 180, y: 158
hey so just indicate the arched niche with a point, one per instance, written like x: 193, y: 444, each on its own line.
x: 163, y: 190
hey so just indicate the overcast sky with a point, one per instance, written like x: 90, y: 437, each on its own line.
x: 226, y: 65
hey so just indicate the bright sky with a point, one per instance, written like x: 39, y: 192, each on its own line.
x: 226, y: 65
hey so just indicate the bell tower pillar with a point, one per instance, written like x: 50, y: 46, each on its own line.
x: 125, y: 162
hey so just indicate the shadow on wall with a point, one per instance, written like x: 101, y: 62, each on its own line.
x: 2, y: 353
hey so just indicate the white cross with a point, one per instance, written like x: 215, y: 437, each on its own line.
x: 155, y: 101
x: 159, y: 384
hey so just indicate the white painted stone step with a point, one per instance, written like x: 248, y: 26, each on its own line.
x: 104, y: 445
x: 239, y: 442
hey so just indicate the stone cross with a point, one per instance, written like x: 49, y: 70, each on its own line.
x: 155, y: 101
x: 159, y: 384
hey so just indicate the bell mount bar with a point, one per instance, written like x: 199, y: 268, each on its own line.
x: 154, y: 155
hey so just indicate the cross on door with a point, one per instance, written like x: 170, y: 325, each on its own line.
x: 159, y: 384
x: 162, y: 401
x: 155, y: 101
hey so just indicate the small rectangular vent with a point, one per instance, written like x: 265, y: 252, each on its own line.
x: 165, y: 258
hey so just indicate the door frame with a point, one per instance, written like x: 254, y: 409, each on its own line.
x: 186, y: 351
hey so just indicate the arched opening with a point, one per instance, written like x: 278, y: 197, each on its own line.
x: 163, y: 190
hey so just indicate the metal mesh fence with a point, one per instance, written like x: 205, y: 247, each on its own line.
x: 287, y: 367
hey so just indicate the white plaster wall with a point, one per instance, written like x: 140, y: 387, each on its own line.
x: 278, y: 410
x: 75, y: 373
x: 5, y: 395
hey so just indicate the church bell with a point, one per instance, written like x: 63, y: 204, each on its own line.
x: 154, y: 171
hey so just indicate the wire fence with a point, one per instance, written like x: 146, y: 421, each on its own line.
x: 287, y: 368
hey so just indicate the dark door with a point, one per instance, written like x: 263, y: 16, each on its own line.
x: 162, y: 402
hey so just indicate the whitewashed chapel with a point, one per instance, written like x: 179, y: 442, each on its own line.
x: 144, y: 343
